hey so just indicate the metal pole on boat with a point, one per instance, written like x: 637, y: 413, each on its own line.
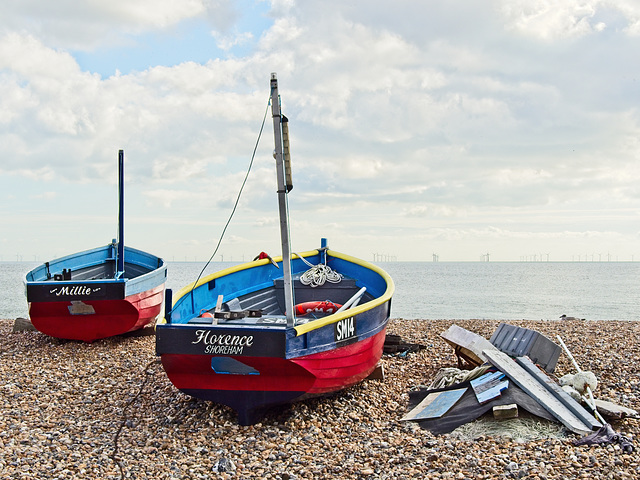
x: 282, y: 201
x: 120, y: 263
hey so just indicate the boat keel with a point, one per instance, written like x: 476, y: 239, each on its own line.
x: 250, y: 406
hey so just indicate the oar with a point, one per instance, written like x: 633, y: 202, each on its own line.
x: 591, y: 402
x: 353, y: 300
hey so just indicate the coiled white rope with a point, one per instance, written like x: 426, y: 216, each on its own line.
x: 318, y: 275
x: 450, y: 376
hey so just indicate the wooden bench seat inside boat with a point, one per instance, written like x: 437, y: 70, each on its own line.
x: 98, y: 272
x: 270, y: 302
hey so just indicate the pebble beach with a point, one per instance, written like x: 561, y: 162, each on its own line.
x: 106, y: 410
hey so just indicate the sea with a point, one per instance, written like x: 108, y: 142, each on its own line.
x: 451, y: 290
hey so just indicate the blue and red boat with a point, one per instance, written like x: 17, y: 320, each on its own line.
x: 97, y: 293
x: 279, y: 330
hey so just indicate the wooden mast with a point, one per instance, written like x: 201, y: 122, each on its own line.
x: 120, y: 259
x: 282, y: 201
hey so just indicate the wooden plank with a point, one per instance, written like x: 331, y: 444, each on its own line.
x: 484, y: 382
x: 484, y: 377
x: 492, y: 393
x: 612, y: 410
x: 467, y: 344
x: 559, y: 393
x: 532, y: 387
x: 489, y: 386
x: 502, y: 412
x: 377, y: 374
x: 435, y: 404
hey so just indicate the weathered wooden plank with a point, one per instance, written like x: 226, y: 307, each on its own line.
x: 493, y: 392
x: 489, y: 386
x: 559, y: 393
x: 435, y: 405
x: 531, y: 386
x: 377, y: 374
x: 485, y: 381
x: 467, y: 344
x: 502, y: 412
x: 611, y: 410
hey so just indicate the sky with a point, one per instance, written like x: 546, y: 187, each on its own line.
x: 500, y: 129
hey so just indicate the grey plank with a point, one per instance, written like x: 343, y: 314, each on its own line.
x: 435, y: 405
x: 469, y: 344
x: 531, y: 386
x: 613, y: 410
x: 559, y: 393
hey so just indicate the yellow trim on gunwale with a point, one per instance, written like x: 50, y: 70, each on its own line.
x: 227, y: 271
x: 321, y: 322
x: 351, y: 312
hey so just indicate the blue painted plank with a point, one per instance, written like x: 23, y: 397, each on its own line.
x: 493, y: 392
x: 435, y: 405
x: 489, y: 386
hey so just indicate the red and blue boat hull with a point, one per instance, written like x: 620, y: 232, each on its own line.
x: 272, y: 380
x: 107, y: 318
x: 77, y: 298
x: 252, y: 367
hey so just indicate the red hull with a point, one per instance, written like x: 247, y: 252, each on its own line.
x: 278, y: 380
x: 112, y: 317
x: 343, y: 367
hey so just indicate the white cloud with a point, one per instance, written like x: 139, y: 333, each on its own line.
x: 226, y: 42
x: 40, y: 174
x: 486, y: 124
x: 521, y: 176
x: 549, y: 19
x: 166, y: 198
x: 88, y: 24
x: 45, y: 196
x: 560, y: 19
x: 154, y: 13
x: 435, y: 210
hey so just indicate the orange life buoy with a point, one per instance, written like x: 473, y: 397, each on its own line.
x: 316, y: 307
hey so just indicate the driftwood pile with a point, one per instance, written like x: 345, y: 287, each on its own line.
x: 509, y: 375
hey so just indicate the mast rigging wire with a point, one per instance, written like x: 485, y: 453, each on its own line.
x: 235, y: 205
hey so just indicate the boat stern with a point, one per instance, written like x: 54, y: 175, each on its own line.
x: 242, y: 368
